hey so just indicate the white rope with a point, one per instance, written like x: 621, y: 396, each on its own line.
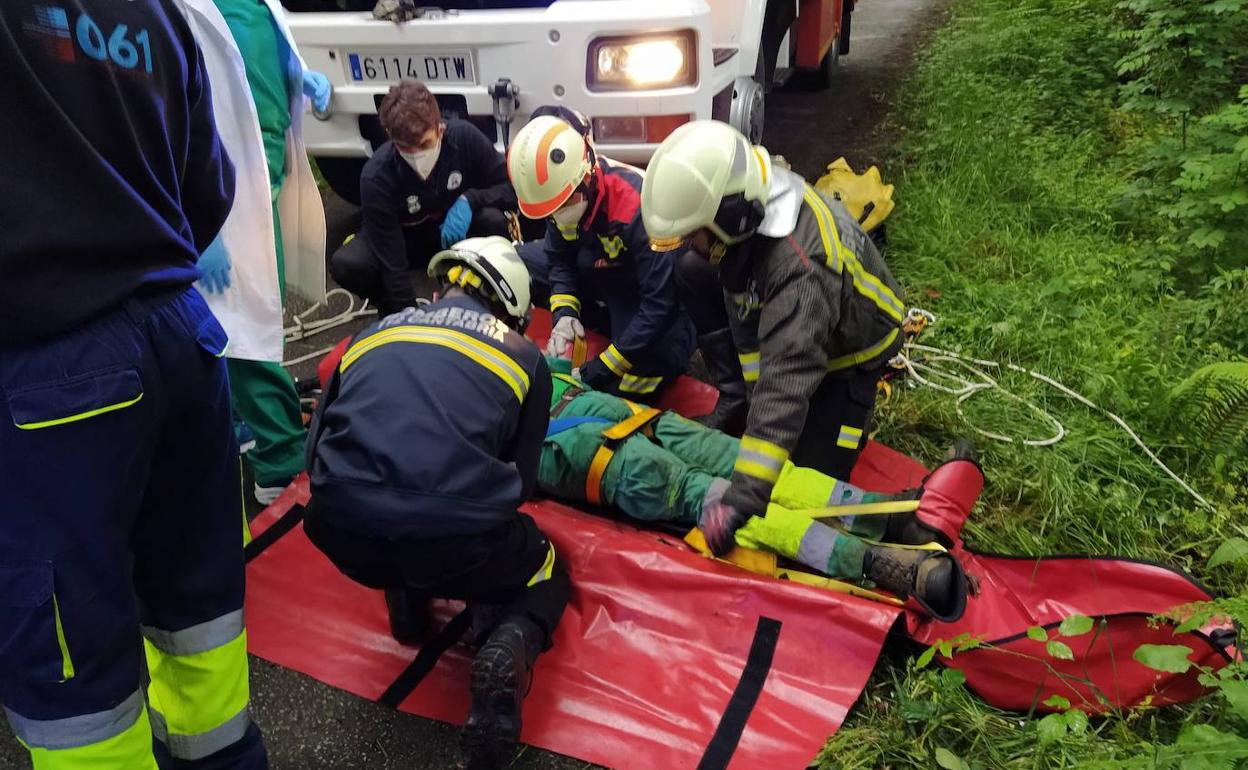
x: 304, y: 328
x: 964, y: 377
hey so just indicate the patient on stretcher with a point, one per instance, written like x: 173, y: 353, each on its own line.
x: 661, y: 467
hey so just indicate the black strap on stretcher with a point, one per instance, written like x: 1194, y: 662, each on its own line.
x: 430, y: 652
x: 732, y: 724
x: 275, y: 532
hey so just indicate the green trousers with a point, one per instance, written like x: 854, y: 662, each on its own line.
x: 264, y: 397
x: 667, y: 477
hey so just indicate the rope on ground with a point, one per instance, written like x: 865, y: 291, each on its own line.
x: 304, y: 328
x: 964, y: 376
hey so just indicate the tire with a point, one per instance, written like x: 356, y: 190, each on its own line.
x: 747, y: 110
x: 343, y: 176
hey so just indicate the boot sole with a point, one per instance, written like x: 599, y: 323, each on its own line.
x: 490, y: 741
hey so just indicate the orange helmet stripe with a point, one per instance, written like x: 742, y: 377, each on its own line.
x: 543, y: 209
x: 543, y: 151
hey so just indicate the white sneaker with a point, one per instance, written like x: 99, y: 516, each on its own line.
x: 266, y: 495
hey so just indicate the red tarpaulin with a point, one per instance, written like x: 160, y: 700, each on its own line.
x: 668, y: 659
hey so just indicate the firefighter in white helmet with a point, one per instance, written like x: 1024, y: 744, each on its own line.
x: 814, y: 310
x: 598, y: 252
x: 426, y: 442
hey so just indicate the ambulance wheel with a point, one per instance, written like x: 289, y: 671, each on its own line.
x: 746, y: 112
x: 343, y: 176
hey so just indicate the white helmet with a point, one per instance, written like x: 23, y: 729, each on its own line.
x: 705, y: 174
x: 491, y: 260
x: 548, y: 160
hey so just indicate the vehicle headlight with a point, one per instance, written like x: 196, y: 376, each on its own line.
x: 643, y: 62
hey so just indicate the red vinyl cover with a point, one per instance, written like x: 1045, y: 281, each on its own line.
x: 647, y: 658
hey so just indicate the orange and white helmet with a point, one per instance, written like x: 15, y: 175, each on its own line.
x: 548, y: 160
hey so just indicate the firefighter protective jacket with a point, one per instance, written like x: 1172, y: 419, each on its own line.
x: 432, y: 424
x: 815, y: 302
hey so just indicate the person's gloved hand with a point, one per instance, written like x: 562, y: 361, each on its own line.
x: 720, y: 522
x: 596, y: 375
x: 455, y: 224
x: 317, y: 88
x: 566, y: 330
x: 214, y: 265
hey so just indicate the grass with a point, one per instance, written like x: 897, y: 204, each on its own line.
x: 1009, y: 168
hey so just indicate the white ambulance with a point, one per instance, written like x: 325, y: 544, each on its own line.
x: 636, y: 68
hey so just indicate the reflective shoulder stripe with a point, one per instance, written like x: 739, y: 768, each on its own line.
x: 489, y: 357
x: 864, y: 282
x: 862, y: 356
x: 615, y: 361
x: 760, y: 459
x: 751, y: 365
x: 558, y: 301
x: 641, y: 385
x: 80, y: 732
x: 80, y: 416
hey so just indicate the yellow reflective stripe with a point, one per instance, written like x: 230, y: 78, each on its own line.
x: 81, y: 416
x: 67, y: 663
x: 751, y: 365
x: 862, y: 356
x: 242, y: 505
x: 489, y: 357
x: 564, y: 300
x: 762, y: 163
x: 839, y: 256
x: 567, y: 232
x: 849, y: 438
x: 760, y: 459
x: 198, y: 693
x: 548, y: 567
x: 632, y: 384
x: 615, y: 361
x: 131, y: 748
x: 882, y: 508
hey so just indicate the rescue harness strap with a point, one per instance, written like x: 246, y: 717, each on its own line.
x: 641, y: 418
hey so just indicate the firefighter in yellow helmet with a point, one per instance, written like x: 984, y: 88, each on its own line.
x: 597, y: 252
x: 815, y: 312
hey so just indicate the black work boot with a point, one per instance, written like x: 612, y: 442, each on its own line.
x: 720, y: 355
x: 410, y: 617
x: 933, y: 578
x: 501, y: 673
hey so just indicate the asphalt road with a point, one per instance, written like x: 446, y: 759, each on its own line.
x: 310, y: 726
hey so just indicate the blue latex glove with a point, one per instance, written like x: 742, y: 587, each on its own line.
x: 214, y: 265
x: 316, y: 87
x: 455, y: 225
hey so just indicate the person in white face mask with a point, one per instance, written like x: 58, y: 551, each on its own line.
x: 433, y: 184
x: 596, y: 258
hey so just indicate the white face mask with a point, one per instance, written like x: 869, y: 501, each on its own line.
x: 423, y: 161
x: 570, y: 215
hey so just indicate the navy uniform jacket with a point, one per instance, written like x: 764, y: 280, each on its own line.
x: 114, y: 177
x: 432, y: 426
x: 608, y: 254
x: 393, y: 196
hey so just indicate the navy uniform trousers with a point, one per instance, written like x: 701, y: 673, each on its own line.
x: 120, y: 541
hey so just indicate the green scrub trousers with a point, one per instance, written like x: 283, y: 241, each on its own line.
x: 263, y: 393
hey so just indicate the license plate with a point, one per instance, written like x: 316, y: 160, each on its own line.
x: 431, y: 67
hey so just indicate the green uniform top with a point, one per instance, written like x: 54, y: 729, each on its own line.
x: 559, y: 366
x: 266, y: 56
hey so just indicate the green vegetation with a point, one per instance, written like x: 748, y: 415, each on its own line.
x: 1073, y: 198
